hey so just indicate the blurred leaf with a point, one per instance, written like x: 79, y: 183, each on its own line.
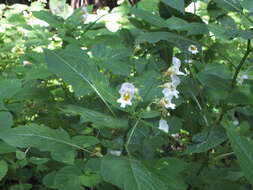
x: 6, y: 120
x: 134, y: 173
x: 68, y: 178
x: 90, y: 180
x: 43, y: 138
x: 48, y: 17
x: 243, y: 149
x: 176, y: 4
x: 9, y: 88
x: 231, y: 5
x: 3, y: 169
x: 98, y: 118
x: 206, y: 140
x: 176, y: 40
x: 152, y: 19
x: 24, y: 186
x: 247, y: 4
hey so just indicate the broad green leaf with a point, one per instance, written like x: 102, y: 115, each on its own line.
x: 3, y: 169
x: 74, y: 67
x: 176, y: 4
x: 247, y: 4
x: 38, y: 161
x: 24, y: 186
x: 85, y: 141
x: 175, y: 23
x: 6, y: 148
x: 231, y: 5
x: 9, y: 88
x: 147, y: 16
x: 48, y: 17
x: 222, y: 32
x: 206, y: 140
x: 90, y: 180
x: 243, y: 149
x: 176, y: 40
x: 98, y: 118
x: 148, y: 85
x: 68, y: 178
x: 136, y: 176
x: 43, y: 138
x: 213, y: 82
x: 6, y: 120
x: 169, y: 171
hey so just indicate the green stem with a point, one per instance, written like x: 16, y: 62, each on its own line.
x: 132, y: 131
x: 246, y: 54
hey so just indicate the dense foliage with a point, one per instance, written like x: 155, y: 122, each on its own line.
x: 138, y: 98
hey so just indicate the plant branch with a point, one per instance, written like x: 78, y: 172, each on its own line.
x: 246, y: 54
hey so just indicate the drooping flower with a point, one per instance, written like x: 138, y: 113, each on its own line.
x: 115, y: 152
x: 176, y: 62
x: 241, y: 78
x: 166, y: 102
x: 193, y: 49
x: 188, y: 61
x: 26, y: 63
x: 163, y: 126
x: 126, y: 92
x: 170, y: 90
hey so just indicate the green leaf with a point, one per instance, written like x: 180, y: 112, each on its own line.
x: 24, y: 186
x: 6, y: 120
x: 9, y: 88
x: 148, y: 17
x: 68, y: 178
x: 243, y: 149
x: 148, y: 85
x: 169, y: 171
x: 207, y: 140
x: 5, y: 148
x: 176, y: 4
x: 213, y: 82
x: 73, y: 66
x: 136, y: 176
x: 98, y: 118
x: 3, y: 169
x: 43, y: 138
x: 85, y: 141
x: 48, y: 17
x: 176, y: 40
x: 247, y: 4
x: 90, y: 180
x: 230, y: 5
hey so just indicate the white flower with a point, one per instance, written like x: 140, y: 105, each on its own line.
x: 126, y: 91
x: 176, y: 62
x: 241, y: 78
x: 174, y: 69
x: 175, y: 80
x: 26, y: 63
x: 170, y: 90
x: 166, y: 102
x: 115, y: 152
x: 163, y: 126
x: 188, y: 61
x: 193, y: 49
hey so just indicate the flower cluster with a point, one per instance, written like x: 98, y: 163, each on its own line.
x: 170, y: 88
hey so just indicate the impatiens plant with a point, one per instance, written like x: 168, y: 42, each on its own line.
x: 151, y: 97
